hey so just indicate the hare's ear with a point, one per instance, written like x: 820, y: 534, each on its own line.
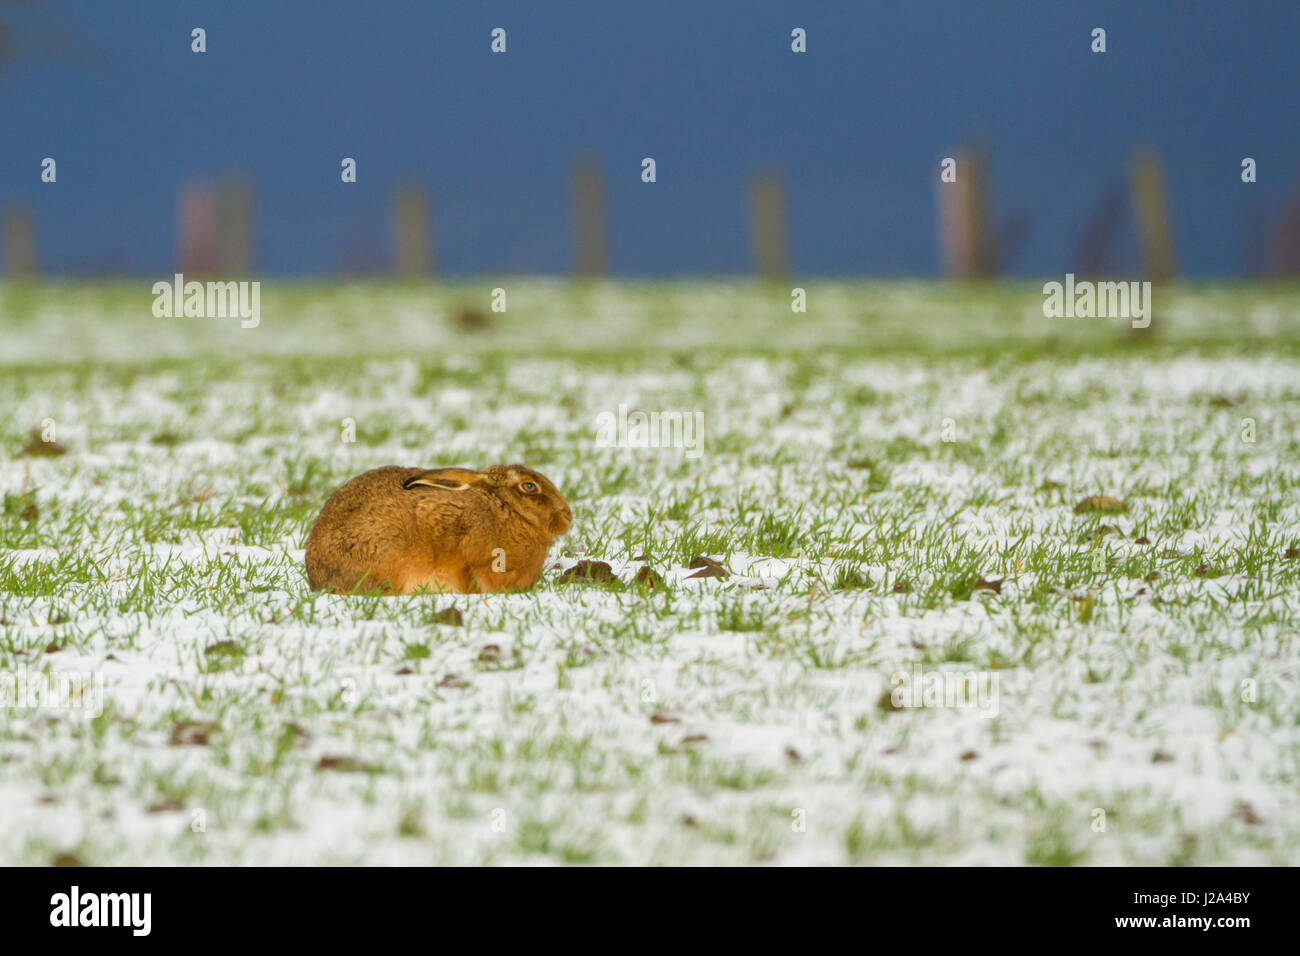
x: 448, y: 479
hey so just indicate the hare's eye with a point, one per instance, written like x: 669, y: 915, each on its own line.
x: 529, y: 487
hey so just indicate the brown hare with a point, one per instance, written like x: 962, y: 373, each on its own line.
x: 401, y: 530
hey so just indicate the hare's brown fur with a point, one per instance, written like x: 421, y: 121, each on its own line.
x: 401, y: 530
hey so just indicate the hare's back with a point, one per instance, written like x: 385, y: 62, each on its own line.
x: 371, y: 485
x: 370, y: 507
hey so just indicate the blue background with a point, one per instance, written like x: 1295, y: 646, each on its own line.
x: 712, y: 91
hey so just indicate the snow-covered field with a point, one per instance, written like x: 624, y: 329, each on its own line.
x: 893, y: 482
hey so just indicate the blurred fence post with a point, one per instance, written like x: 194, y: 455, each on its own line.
x: 412, y: 232
x: 966, y: 237
x: 235, y: 229
x: 955, y: 224
x: 986, y: 243
x: 197, y: 251
x: 1094, y: 253
x: 590, y: 254
x: 1286, y: 239
x: 767, y: 225
x: 19, y: 241
x: 1147, y: 186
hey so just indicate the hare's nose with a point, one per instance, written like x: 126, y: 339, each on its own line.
x: 562, y: 522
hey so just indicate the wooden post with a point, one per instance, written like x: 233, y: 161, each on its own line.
x: 196, y: 237
x: 956, y: 222
x: 986, y: 242
x: 234, y: 229
x: 412, y: 232
x: 19, y: 241
x: 767, y: 225
x: 966, y: 239
x: 1148, y: 191
x: 590, y: 253
x: 1286, y: 239
x: 1094, y: 253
